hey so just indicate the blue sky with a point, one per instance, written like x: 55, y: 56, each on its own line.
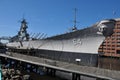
x: 53, y: 16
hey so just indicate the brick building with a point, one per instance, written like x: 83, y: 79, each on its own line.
x: 109, y: 50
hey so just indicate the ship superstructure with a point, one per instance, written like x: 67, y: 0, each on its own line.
x: 22, y: 33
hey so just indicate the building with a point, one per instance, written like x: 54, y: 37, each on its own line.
x: 109, y: 50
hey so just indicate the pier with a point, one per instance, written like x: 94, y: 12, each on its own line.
x: 51, y: 66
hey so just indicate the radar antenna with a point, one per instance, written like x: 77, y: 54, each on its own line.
x: 75, y: 18
x: 75, y: 21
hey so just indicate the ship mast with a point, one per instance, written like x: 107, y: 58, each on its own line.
x: 23, y: 35
x: 75, y: 18
x: 75, y: 21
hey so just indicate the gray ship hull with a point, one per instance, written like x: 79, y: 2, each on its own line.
x: 87, y: 42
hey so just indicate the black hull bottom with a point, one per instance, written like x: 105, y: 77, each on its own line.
x: 86, y: 59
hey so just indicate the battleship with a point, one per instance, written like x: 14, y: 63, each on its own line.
x: 75, y: 45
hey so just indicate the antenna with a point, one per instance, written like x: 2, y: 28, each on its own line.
x: 75, y: 18
x: 114, y: 13
x: 75, y: 21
